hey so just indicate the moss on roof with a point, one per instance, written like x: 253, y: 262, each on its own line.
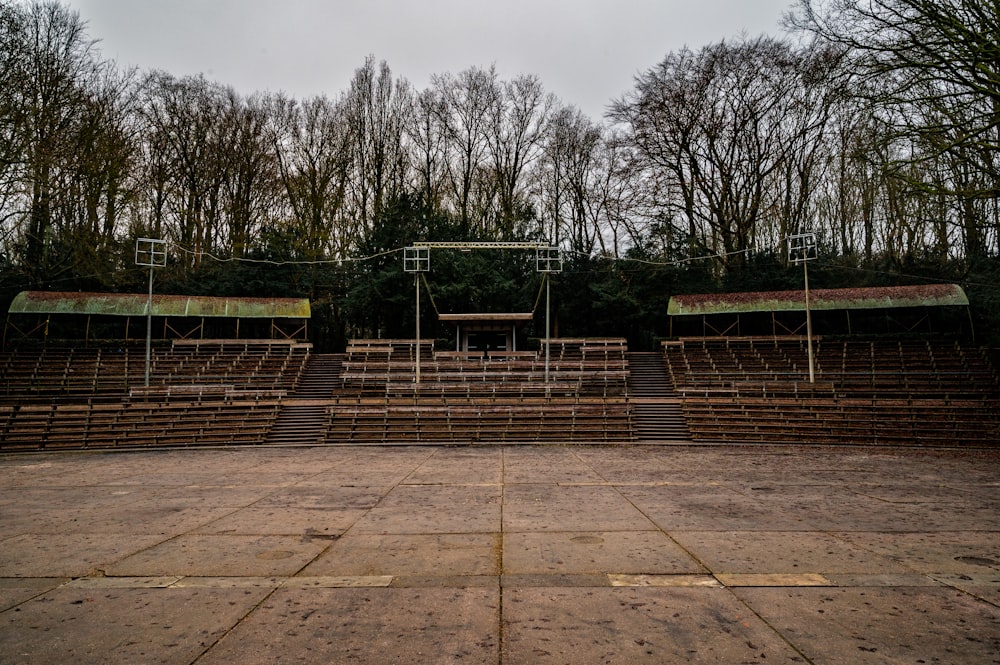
x: 935, y: 295
x: 131, y: 304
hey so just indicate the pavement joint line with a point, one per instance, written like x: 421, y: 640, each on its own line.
x: 238, y: 582
x: 773, y: 580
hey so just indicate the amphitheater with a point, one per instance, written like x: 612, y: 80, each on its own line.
x: 572, y: 502
x: 923, y: 389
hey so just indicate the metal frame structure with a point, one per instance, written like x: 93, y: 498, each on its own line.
x: 548, y: 260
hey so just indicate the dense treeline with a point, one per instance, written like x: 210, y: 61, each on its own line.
x: 874, y: 123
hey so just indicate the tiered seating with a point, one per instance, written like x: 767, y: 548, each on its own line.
x: 136, y: 424
x: 500, y: 396
x: 69, y: 374
x: 201, y: 392
x: 912, y: 391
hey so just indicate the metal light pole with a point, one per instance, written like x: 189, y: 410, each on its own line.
x: 417, y: 260
x: 809, y: 325
x: 416, y: 284
x: 150, y: 252
x: 548, y: 336
x: 802, y: 249
x: 548, y: 260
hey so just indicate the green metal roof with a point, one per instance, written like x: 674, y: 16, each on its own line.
x: 133, y: 304
x: 935, y: 295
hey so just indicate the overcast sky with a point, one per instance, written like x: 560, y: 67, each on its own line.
x: 585, y: 51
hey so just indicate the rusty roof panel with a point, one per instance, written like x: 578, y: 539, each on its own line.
x: 486, y: 316
x: 934, y: 295
x: 133, y: 304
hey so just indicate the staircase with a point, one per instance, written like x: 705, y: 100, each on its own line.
x: 656, y: 408
x: 320, y: 377
x: 303, y: 419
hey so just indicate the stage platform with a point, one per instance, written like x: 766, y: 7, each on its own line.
x: 497, y: 554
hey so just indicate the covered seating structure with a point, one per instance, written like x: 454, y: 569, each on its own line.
x: 891, y: 309
x: 177, y: 316
x: 917, y: 385
x: 60, y: 390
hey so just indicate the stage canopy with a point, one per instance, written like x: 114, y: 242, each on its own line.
x: 485, y: 331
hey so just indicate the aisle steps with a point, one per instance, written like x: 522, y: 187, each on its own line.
x: 656, y: 408
x: 301, y: 422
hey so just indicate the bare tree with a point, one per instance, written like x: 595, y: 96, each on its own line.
x: 313, y: 150
x: 377, y: 109
x: 735, y: 129
x: 515, y: 135
x: 569, y: 164
x: 469, y: 100
x: 56, y: 69
x: 931, y: 68
x: 250, y: 182
x: 184, y: 125
x: 428, y: 136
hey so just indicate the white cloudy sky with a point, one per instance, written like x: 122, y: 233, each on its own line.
x: 585, y: 51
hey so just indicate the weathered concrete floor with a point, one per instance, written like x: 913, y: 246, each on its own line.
x: 518, y: 555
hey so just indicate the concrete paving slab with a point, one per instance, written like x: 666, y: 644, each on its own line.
x: 651, y: 552
x: 337, y: 582
x: 553, y: 580
x: 435, y: 509
x: 782, y: 552
x: 547, y: 507
x: 67, y: 555
x: 828, y: 508
x: 644, y: 580
x: 362, y: 626
x: 222, y: 555
x: 460, y: 466
x: 890, y: 580
x: 635, y: 625
x: 476, y: 518
x: 325, y: 496
x: 400, y: 554
x: 285, y: 520
x: 14, y: 591
x: 985, y: 586
x: 121, y: 626
x: 546, y: 465
x: 648, y: 520
x: 161, y: 517
x: 772, y: 579
x: 631, y: 466
x: 881, y: 625
x: 962, y: 552
x: 445, y: 581
x: 692, y: 508
x: 216, y: 478
x: 442, y: 496
x: 123, y: 582
x: 20, y: 522
x: 919, y: 493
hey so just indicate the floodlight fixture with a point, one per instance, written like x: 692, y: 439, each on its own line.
x: 548, y: 260
x: 416, y: 259
x: 151, y: 252
x: 802, y: 247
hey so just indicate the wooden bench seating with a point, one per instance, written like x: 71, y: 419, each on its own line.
x: 910, y: 391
